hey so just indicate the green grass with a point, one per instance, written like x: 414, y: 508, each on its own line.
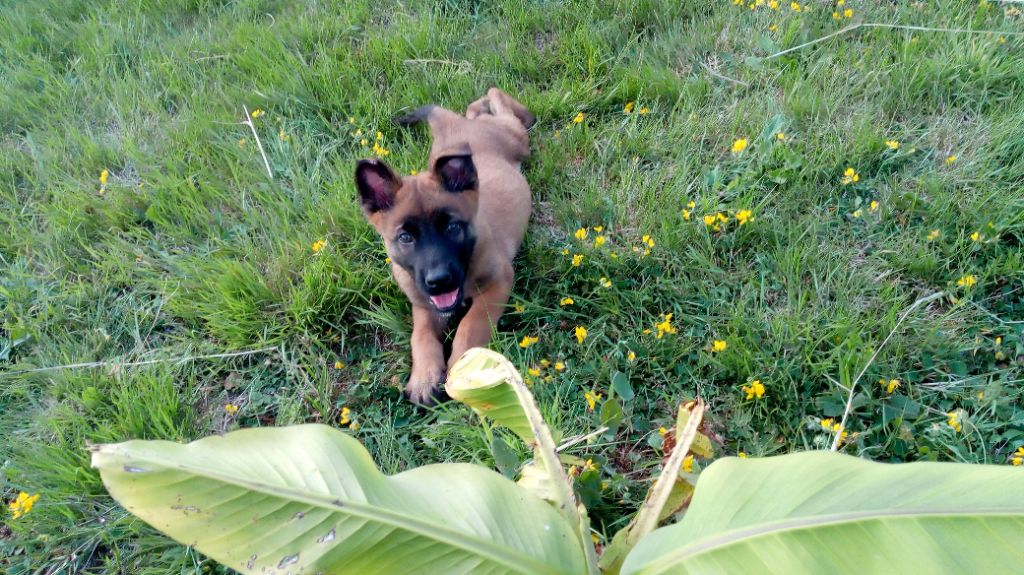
x: 191, y: 249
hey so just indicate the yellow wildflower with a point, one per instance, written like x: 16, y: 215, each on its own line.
x: 559, y: 366
x: 741, y: 455
x: 780, y: 137
x: 709, y: 220
x: 773, y: 4
x: 103, y: 177
x: 744, y: 216
x: 848, y: 13
x: 719, y: 345
x: 581, y: 234
x: 519, y: 308
x: 282, y: 136
x: 691, y: 204
x: 230, y: 409
x: 363, y: 142
x: 628, y: 108
x: 351, y: 120
x: 605, y: 282
x: 891, y: 385
x: 1002, y: 40
x: 242, y: 142
x: 339, y: 365
x: 950, y: 160
x: 319, y: 245
x: 850, y: 176
x: 795, y: 6
x: 665, y: 326
x: 976, y: 237
x: 755, y: 390
x: 739, y: 145
x: 535, y: 372
x: 686, y: 215
x: 592, y: 399
x: 630, y: 356
x: 873, y: 206
x: 22, y: 504
x: 599, y: 241
x: 933, y: 235
x: 857, y: 213
x: 892, y: 144
x: 565, y: 252
x: 589, y: 465
x: 346, y: 416
x: 581, y: 333
x: 544, y: 363
x: 577, y: 259
x: 578, y: 118
x: 954, y: 421
x: 1018, y: 457
x: 662, y: 431
x: 527, y: 341
x: 354, y: 426
x: 256, y: 113
x: 566, y: 301
x: 380, y: 136
x: 967, y: 281
x: 644, y: 111
x: 835, y: 15
x: 688, y: 464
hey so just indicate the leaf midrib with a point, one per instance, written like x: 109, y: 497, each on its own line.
x: 496, y: 553
x: 716, y: 542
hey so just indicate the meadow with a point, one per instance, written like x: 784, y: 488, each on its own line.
x: 711, y: 218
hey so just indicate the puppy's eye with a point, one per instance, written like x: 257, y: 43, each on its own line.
x: 453, y: 228
x: 405, y: 238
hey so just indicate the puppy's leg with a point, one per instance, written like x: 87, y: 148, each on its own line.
x: 501, y: 104
x: 475, y: 328
x: 428, y: 368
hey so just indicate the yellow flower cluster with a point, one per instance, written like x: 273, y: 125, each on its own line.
x: 967, y: 281
x: 739, y: 145
x: 890, y: 385
x: 528, y: 341
x: 319, y: 245
x: 850, y: 176
x: 665, y: 326
x: 566, y: 301
x: 230, y: 409
x: 719, y: 345
x: 581, y: 334
x: 346, y: 416
x: 954, y: 421
x: 1018, y: 457
x: 592, y: 399
x: 22, y: 504
x: 755, y: 390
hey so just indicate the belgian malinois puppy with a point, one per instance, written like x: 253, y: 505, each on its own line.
x: 452, y: 230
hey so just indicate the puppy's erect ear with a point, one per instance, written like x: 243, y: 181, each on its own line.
x: 377, y: 184
x: 456, y: 173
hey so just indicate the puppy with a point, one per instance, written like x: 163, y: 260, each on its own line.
x: 452, y: 230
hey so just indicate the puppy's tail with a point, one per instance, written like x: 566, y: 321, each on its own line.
x: 415, y: 117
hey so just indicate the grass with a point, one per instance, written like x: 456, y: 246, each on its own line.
x: 190, y: 249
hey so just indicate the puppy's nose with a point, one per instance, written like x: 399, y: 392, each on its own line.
x: 438, y: 278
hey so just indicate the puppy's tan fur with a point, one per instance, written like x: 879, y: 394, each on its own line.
x: 494, y: 133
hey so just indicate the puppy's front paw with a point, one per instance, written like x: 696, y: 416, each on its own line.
x: 424, y: 387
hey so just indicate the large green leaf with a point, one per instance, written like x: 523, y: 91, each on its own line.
x: 309, y: 499
x: 488, y: 382
x: 822, y: 512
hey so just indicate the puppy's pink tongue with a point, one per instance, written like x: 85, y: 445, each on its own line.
x: 445, y: 300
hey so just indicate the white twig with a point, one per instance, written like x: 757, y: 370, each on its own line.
x: 259, y: 144
x: 892, y: 26
x: 579, y: 439
x: 874, y: 356
x: 721, y: 77
x: 119, y: 364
